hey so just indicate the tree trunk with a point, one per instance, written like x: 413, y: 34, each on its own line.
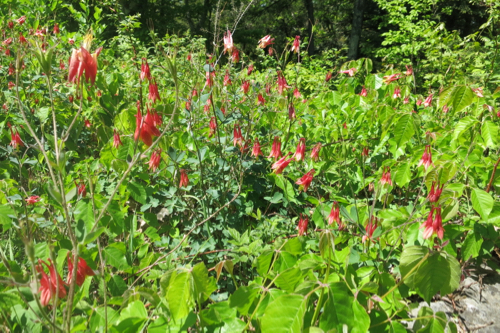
x: 357, y: 21
x: 310, y: 16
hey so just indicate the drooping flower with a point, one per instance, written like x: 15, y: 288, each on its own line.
x: 276, y: 148
x: 250, y: 69
x: 81, y: 61
x: 281, y: 164
x: 365, y: 152
x: 397, y: 93
x: 428, y: 101
x: 445, y: 109
x: 10, y: 25
x: 155, y: 160
x: 32, y: 200
x: 235, y: 56
x: 296, y: 93
x: 426, y: 159
x: 301, y: 150
x: 15, y: 139
x: 386, y: 176
x: 227, y: 79
x: 228, y: 42
x: 213, y: 126
x: 117, y: 142
x: 21, y: 20
x: 256, y: 151
x: 56, y: 29
x: 50, y: 286
x: 11, y: 85
x: 153, y: 91
x: 22, y: 40
x: 315, y: 151
x: 209, y: 79
x: 265, y: 41
x: 406, y: 100
x: 81, y: 189
x: 350, y: 71
x: 82, y: 270
x: 328, y: 76
x: 145, y: 71
x: 433, y: 225
x: 363, y: 92
x: 369, y: 229
x: 245, y: 86
x: 409, y: 70
x: 302, y: 225
x: 184, y: 181
x: 145, y: 127
x: 305, y: 180
x: 478, y: 91
x: 282, y: 84
x: 393, y: 77
x: 334, y: 214
x: 87, y: 123
x: 419, y: 102
x: 435, y: 192
x: 260, y: 100
x: 291, y: 112
x: 296, y: 45
x: 189, y: 57
x: 237, y: 136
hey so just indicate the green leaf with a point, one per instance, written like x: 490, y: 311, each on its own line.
x: 402, y: 176
x: 489, y: 133
x: 285, y: 314
x: 464, y: 124
x: 8, y: 300
x: 137, y: 192
x: 288, y: 279
x: 179, y: 295
x: 115, y: 256
x: 445, y: 97
x: 92, y: 236
x: 286, y: 186
x: 243, y: 298
x: 471, y: 245
x: 5, y: 220
x: 404, y: 129
x: 462, y: 97
x: 204, y: 285
x: 264, y: 261
x: 482, y: 202
x: 134, y: 309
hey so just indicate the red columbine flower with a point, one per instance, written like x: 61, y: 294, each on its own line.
x: 406, y: 100
x: 117, y: 142
x: 315, y: 151
x: 155, y: 160
x: 328, y: 76
x: 145, y: 72
x: 306, y: 180
x: 184, y: 179
x: 82, y: 271
x: 334, y: 214
x: 227, y: 79
x: 10, y: 24
x: 282, y: 85
x: 265, y: 41
x: 260, y: 100
x: 433, y: 226
x: 256, y: 151
x: 213, y: 126
x: 478, y: 91
x: 365, y: 152
x: 56, y: 28
x: 435, y: 193
x: 50, y: 286
x: 393, y: 77
x: 237, y: 137
x: 7, y: 42
x: 235, y: 56
x: 428, y: 101
x: 228, y: 42
x: 11, y: 85
x: 32, y: 200
x: 363, y: 92
x: 82, y: 61
x: 296, y: 45
x: 281, y: 164
x: 445, y: 109
x: 350, y: 71
x: 296, y: 93
x: 153, y: 91
x: 302, y: 225
x: 21, y: 20
x: 245, y: 86
x: 291, y: 112
x: 81, y: 189
x: 209, y: 79
x: 370, y: 228
x: 15, y: 139
x: 22, y: 40
x: 301, y: 150
x: 145, y: 127
x: 426, y: 159
x: 87, y: 123
x: 386, y: 176
x: 397, y: 93
x: 409, y: 70
x: 250, y: 69
x: 276, y: 148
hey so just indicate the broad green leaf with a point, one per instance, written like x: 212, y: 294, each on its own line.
x: 403, y: 130
x: 402, y: 176
x: 462, y: 97
x: 115, y: 256
x: 179, y: 295
x: 264, y: 261
x: 471, y: 245
x: 204, y: 285
x: 137, y: 192
x: 243, y: 298
x: 5, y: 220
x: 8, y: 300
x: 428, y: 322
x: 445, y: 97
x: 134, y: 309
x: 288, y: 279
x: 464, y: 124
x: 489, y: 133
x: 482, y: 202
x: 285, y: 314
